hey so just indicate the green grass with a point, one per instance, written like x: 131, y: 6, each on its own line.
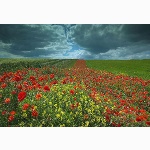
x: 136, y: 68
x: 12, y: 65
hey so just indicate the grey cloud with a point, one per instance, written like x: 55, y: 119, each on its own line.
x: 4, y: 46
x: 136, y: 32
x: 102, y: 38
x: 121, y: 53
x: 98, y: 38
x: 106, y: 41
x: 32, y: 40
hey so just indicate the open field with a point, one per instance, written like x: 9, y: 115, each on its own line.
x: 18, y: 64
x: 44, y: 92
x: 139, y: 68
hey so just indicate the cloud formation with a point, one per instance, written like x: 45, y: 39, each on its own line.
x: 86, y: 41
x: 33, y: 40
x: 101, y: 38
x: 97, y: 38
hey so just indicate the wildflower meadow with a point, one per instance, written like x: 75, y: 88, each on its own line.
x: 71, y: 94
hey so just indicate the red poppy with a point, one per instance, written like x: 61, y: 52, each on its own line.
x: 139, y: 118
x: 64, y: 82
x: 3, y: 85
x: 107, y: 117
x: 118, y: 125
x: 4, y: 112
x: 72, y: 106
x: 25, y: 106
x: 148, y: 123
x: 52, y: 76
x: 122, y: 102
x: 132, y: 109
x: 72, y: 92
x: 75, y: 87
x: 108, y: 110
x: 21, y: 96
x: 32, y: 78
x: 125, y: 110
x: 7, y: 100
x: 11, y: 118
x: 55, y: 82
x: 13, y: 92
x: 34, y: 113
x: 46, y: 88
x: 19, y: 86
x: 12, y: 113
x: 38, y: 96
x: 142, y: 111
x: 17, y: 78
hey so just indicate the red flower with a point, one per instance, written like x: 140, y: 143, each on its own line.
x: 4, y: 112
x: 3, y: 85
x: 7, y: 100
x: 142, y: 111
x: 107, y: 117
x: 46, y: 88
x: 11, y: 118
x: 52, y: 76
x: 13, y: 92
x: 21, y: 96
x: 54, y: 82
x: 72, y: 92
x: 108, y: 111
x: 17, y: 78
x: 32, y: 78
x: 148, y: 123
x: 19, y: 86
x: 25, y: 106
x: 122, y: 102
x: 132, y: 109
x: 64, y: 81
x: 34, y: 113
x: 38, y: 96
x: 139, y: 118
x: 72, y: 106
x: 118, y: 125
x: 12, y: 113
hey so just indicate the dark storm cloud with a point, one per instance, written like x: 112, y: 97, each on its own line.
x: 97, y: 38
x: 137, y: 32
x: 102, y: 38
x: 25, y: 38
x: 88, y: 41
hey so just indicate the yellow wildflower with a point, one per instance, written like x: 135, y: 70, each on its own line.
x: 86, y: 123
x: 24, y: 115
x: 58, y: 115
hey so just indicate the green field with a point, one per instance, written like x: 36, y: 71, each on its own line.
x: 8, y: 64
x: 139, y: 68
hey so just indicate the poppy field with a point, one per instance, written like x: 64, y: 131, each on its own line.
x: 70, y: 93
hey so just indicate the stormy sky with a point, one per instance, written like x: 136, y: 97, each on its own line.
x: 81, y: 41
